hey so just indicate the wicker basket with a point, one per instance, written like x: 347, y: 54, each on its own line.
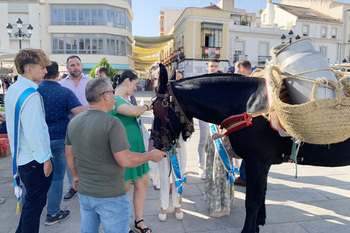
x: 319, y: 121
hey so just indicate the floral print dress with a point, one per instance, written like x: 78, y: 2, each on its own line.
x: 217, y: 190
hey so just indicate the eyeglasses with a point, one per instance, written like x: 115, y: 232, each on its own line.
x: 107, y: 92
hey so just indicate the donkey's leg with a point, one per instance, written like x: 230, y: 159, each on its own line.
x: 261, y: 220
x: 255, y: 194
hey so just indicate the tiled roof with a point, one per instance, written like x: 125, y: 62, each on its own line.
x: 308, y: 13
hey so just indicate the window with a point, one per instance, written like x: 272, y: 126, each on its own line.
x: 305, y: 30
x: 128, y: 24
x: 90, y: 44
x: 57, y: 15
x: 323, y: 50
x: 90, y: 15
x: 211, y: 35
x: 263, y: 49
x: 71, y: 45
x: 323, y: 32
x: 334, y: 33
x: 84, y: 15
x: 239, y: 51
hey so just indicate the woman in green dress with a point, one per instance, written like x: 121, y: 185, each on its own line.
x: 128, y: 113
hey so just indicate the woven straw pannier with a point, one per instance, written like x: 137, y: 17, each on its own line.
x: 319, y: 121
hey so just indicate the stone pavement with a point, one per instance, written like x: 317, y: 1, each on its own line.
x: 317, y: 202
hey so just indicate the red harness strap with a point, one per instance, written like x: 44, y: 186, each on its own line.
x: 236, y: 122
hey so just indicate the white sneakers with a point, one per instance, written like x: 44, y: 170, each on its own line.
x: 201, y: 173
x: 162, y: 217
x: 178, y: 216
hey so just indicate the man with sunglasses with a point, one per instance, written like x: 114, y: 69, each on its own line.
x: 97, y: 152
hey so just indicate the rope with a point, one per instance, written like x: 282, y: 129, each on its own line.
x: 303, y: 78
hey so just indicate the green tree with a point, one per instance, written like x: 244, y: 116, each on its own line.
x: 111, y: 71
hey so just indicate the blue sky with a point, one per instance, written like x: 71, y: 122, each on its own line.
x: 146, y: 12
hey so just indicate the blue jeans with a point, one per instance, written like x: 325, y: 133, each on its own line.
x: 37, y: 185
x: 54, y: 196
x: 242, y: 174
x: 114, y: 214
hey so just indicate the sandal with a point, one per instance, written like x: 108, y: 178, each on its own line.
x: 139, y: 229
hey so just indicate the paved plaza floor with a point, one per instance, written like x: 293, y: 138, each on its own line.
x: 317, y: 202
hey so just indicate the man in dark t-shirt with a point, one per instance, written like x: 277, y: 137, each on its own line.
x: 58, y: 103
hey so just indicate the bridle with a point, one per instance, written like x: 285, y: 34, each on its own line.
x: 161, y: 105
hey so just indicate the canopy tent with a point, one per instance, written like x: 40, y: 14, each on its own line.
x: 151, y: 46
x: 7, y: 55
x: 146, y: 48
x: 143, y: 65
x: 143, y: 52
x: 153, y: 40
x: 145, y: 59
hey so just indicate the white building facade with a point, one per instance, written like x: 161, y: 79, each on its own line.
x: 90, y: 29
x: 337, y: 10
x: 324, y: 30
x: 252, y: 42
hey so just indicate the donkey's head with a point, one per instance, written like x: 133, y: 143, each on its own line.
x: 168, y: 119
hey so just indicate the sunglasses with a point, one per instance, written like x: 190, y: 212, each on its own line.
x: 107, y: 92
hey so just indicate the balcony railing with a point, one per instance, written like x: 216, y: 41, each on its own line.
x: 262, y: 59
x: 241, y: 20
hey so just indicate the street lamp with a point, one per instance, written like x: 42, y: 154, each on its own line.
x: 283, y: 38
x: 290, y: 35
x: 20, y: 35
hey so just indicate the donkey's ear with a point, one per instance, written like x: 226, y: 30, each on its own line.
x: 163, y: 79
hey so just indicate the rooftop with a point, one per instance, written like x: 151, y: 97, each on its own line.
x: 308, y: 13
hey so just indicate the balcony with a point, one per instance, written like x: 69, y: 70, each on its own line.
x: 210, y: 52
x: 242, y: 20
x: 262, y: 60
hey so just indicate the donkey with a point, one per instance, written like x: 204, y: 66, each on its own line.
x: 213, y: 98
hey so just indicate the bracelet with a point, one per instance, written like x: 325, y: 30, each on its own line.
x: 147, y: 108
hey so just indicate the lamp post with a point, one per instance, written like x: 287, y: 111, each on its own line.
x: 283, y: 37
x: 20, y: 34
x: 290, y: 34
